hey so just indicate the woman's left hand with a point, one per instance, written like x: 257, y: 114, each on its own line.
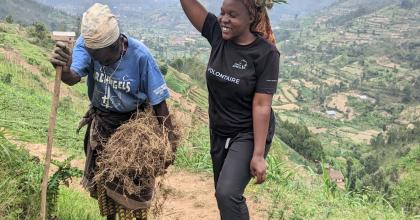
x: 258, y: 169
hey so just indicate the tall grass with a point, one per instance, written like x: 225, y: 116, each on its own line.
x: 194, y: 153
x: 25, y: 108
x: 75, y: 205
x: 20, y: 178
x: 24, y: 113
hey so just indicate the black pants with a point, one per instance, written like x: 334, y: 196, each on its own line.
x: 231, y: 159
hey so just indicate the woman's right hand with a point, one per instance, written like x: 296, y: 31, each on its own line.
x: 61, y: 56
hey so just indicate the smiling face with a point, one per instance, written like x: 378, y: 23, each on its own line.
x: 108, y: 55
x: 235, y: 21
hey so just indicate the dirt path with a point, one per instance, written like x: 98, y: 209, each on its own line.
x: 190, y: 195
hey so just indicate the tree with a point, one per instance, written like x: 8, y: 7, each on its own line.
x: 40, y: 30
x: 393, y: 174
x: 378, y: 141
x: 371, y: 164
x: 177, y: 64
x: 407, y: 94
x: 300, y: 139
x: 163, y: 69
x: 9, y: 19
x: 393, y: 136
x: 406, y: 194
x: 351, y: 179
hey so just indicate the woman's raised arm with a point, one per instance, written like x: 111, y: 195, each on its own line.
x: 195, y: 12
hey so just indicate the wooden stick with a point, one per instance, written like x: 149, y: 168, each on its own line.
x: 51, y: 126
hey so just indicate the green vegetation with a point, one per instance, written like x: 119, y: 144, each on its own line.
x: 300, y: 139
x: 62, y: 176
x: 405, y: 194
x: 75, y: 205
x: 25, y: 106
x: 297, y: 193
x: 359, y: 52
x: 20, y: 178
x: 175, y: 83
x: 194, y: 152
x: 193, y: 67
x: 25, y: 99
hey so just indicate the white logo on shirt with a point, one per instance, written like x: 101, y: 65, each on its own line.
x: 240, y: 65
x: 115, y: 84
x: 223, y: 76
x: 160, y: 90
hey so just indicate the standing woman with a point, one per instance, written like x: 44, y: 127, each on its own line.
x: 242, y: 76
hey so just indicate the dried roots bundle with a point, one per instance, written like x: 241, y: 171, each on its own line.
x: 135, y: 154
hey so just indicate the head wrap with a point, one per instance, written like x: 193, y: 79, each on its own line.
x: 99, y: 27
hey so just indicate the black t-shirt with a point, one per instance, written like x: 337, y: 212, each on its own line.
x: 234, y: 74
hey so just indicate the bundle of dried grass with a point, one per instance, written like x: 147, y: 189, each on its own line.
x: 135, y: 155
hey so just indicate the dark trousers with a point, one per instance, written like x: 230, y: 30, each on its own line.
x: 231, y: 159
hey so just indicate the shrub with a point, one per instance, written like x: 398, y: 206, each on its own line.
x: 9, y: 19
x: 7, y: 78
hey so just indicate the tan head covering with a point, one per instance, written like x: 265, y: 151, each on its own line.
x: 99, y: 27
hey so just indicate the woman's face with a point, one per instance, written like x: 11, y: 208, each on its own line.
x: 234, y: 20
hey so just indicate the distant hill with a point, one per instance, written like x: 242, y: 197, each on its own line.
x: 28, y: 12
x: 168, y: 13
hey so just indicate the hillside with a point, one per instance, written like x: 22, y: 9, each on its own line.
x: 164, y: 28
x: 362, y: 70
x: 351, y: 75
x: 25, y: 94
x: 29, y: 12
x: 164, y: 13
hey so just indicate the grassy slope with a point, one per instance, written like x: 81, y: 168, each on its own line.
x: 25, y: 107
x: 27, y: 101
x: 19, y: 178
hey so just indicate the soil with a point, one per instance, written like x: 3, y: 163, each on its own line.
x: 289, y: 107
x: 317, y: 130
x: 339, y: 102
x: 386, y: 62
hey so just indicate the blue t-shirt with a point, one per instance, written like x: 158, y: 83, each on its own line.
x: 124, y: 85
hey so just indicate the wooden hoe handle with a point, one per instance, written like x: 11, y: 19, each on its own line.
x: 51, y: 126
